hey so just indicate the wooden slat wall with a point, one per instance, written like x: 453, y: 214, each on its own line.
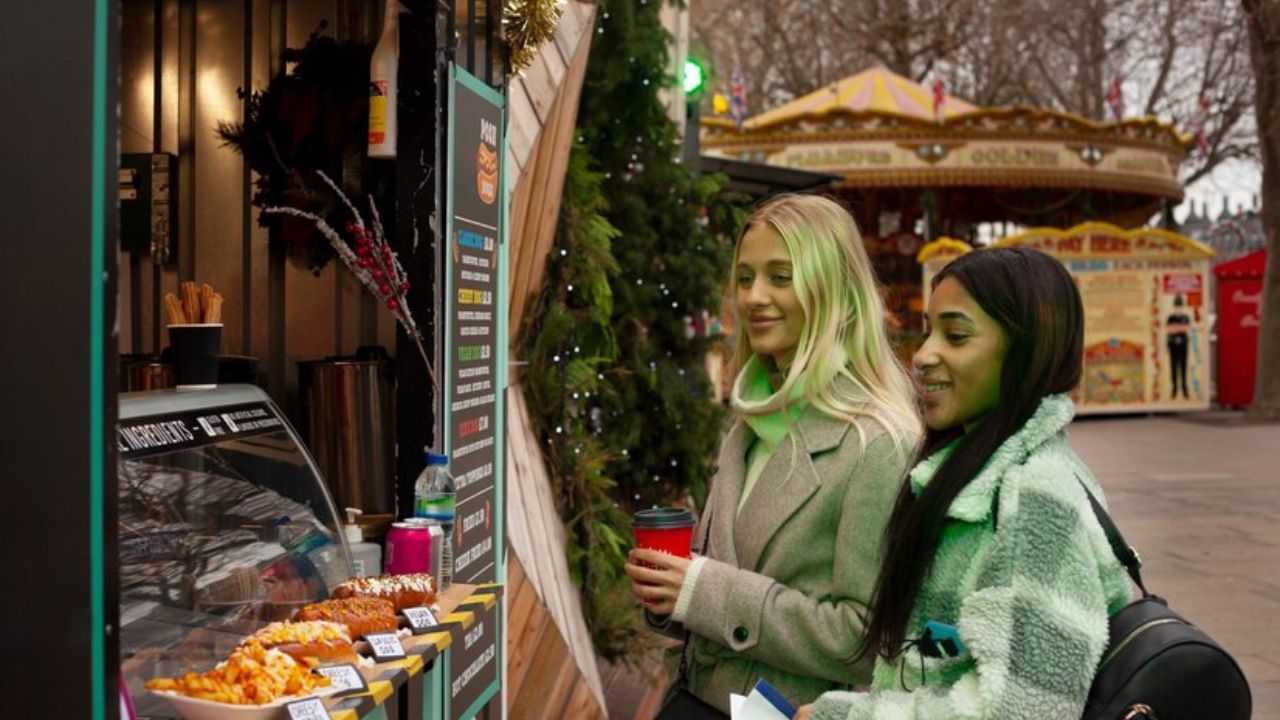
x: 542, y: 679
x: 551, y: 669
x: 544, y: 105
x: 537, y: 540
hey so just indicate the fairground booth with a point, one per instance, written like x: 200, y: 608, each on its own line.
x: 1239, y: 317
x: 1147, y: 305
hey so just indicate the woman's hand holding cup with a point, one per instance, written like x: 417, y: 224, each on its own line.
x: 656, y: 578
x: 658, y: 563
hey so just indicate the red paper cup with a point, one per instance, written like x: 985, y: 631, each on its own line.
x: 669, y: 530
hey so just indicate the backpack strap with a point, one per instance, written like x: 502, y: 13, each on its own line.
x: 1125, y: 553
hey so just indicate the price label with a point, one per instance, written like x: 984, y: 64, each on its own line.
x: 309, y: 709
x: 386, y: 646
x: 420, y: 619
x: 346, y: 679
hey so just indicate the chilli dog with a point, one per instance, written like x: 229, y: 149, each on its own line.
x: 412, y: 590
x: 359, y: 615
x: 324, y: 641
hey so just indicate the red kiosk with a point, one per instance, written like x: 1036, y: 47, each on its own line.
x: 1239, y: 314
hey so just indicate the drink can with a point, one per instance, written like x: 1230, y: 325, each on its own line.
x: 414, y: 546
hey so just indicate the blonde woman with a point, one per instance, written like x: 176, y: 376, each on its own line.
x: 824, y: 425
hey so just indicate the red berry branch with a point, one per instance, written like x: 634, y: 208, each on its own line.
x: 373, y: 262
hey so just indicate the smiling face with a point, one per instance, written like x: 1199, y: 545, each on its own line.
x: 961, y: 359
x: 765, y: 295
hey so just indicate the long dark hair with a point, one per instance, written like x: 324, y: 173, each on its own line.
x: 1038, y: 306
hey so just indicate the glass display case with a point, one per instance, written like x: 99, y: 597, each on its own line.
x: 225, y: 525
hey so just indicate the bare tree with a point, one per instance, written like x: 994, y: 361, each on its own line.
x: 1263, y: 21
x: 996, y: 66
x: 782, y: 49
x: 907, y: 36
x: 1188, y: 51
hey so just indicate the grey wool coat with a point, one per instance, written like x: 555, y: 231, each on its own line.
x: 784, y: 593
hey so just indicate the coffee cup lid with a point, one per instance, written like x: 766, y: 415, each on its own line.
x: 667, y: 517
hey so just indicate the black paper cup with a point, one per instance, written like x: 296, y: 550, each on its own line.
x: 195, y: 355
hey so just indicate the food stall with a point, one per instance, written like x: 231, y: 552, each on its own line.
x: 166, y: 529
x: 228, y: 533
x: 1147, y: 312
x: 317, y: 190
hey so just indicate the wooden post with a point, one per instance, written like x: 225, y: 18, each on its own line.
x: 58, y: 269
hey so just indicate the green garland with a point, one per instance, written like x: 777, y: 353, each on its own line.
x: 616, y: 384
x: 573, y: 348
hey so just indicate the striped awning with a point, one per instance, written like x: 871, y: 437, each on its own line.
x: 873, y: 90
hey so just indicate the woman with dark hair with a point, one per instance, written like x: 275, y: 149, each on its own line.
x: 996, y: 581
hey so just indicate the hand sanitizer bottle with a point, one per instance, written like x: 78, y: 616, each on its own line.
x: 366, y: 557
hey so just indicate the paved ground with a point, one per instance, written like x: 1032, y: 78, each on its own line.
x: 1199, y: 496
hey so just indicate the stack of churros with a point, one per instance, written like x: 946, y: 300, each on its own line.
x: 199, y: 304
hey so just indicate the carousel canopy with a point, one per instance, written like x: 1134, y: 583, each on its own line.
x: 874, y: 91
x: 878, y: 131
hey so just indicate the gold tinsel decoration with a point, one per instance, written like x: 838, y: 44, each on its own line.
x: 526, y: 24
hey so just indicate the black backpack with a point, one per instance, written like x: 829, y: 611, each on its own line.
x: 1157, y: 665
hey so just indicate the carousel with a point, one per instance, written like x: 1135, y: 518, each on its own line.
x: 915, y: 165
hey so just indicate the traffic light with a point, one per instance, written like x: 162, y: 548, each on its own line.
x: 694, y: 77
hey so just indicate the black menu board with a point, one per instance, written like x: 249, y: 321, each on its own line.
x: 475, y: 333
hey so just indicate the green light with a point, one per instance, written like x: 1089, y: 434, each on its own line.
x: 693, y: 77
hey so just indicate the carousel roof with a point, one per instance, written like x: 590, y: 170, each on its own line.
x: 876, y: 90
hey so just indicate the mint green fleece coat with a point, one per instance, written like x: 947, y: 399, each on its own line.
x: 1030, y: 593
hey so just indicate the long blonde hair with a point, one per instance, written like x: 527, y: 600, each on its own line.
x: 844, y: 331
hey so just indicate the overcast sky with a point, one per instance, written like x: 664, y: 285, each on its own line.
x: 1236, y: 180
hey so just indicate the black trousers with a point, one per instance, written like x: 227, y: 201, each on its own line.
x: 1178, y: 366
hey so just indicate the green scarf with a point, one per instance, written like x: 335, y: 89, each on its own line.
x: 760, y: 405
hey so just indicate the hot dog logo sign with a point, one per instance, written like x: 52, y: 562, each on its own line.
x: 487, y: 163
x: 475, y: 327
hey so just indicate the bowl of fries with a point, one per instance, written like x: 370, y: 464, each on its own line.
x: 195, y: 334
x: 252, y: 684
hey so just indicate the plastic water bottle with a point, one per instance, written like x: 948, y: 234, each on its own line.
x: 434, y: 494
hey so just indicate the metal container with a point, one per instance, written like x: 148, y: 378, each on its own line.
x: 148, y: 371
x: 348, y: 422
x: 144, y: 371
x: 415, y: 546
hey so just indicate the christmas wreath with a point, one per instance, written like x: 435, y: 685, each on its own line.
x: 305, y: 122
